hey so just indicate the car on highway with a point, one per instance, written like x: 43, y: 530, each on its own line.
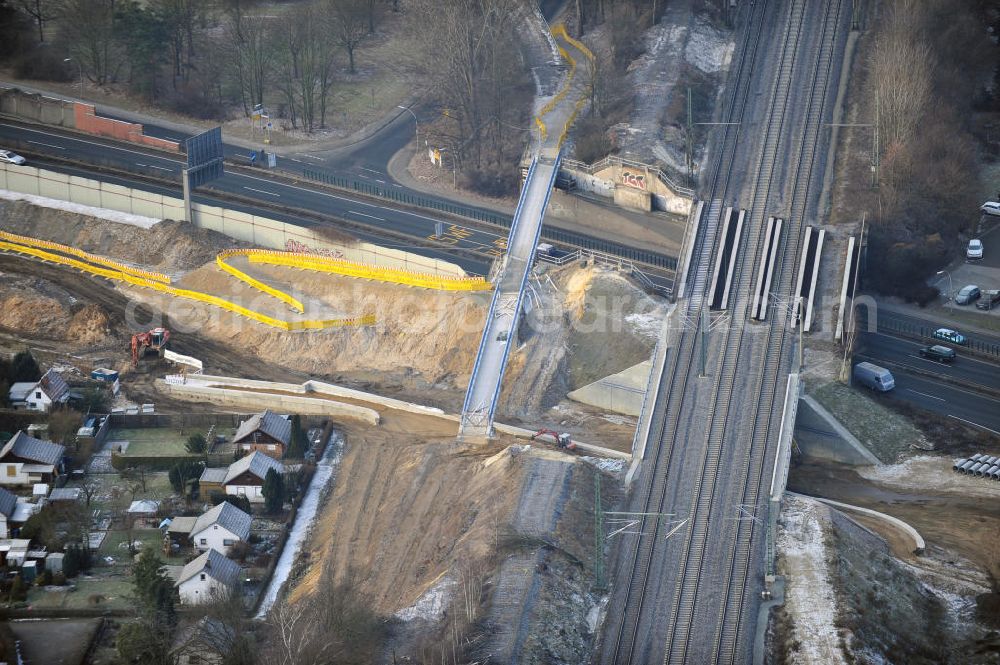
x: 949, y: 335
x: 974, y: 250
x: 942, y: 354
x: 968, y: 295
x: 990, y: 208
x: 12, y: 158
x: 874, y: 377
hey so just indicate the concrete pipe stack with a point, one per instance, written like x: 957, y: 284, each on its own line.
x: 980, y: 465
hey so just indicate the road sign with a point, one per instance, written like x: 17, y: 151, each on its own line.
x: 204, y: 156
x: 272, y: 160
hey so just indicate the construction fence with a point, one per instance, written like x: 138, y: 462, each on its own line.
x: 117, y: 275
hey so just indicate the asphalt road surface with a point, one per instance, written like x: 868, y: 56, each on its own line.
x: 973, y: 374
x: 958, y: 404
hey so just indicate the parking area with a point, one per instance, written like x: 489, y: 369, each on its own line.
x: 984, y: 273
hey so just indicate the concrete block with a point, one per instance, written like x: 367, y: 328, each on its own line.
x: 820, y: 435
x: 622, y: 392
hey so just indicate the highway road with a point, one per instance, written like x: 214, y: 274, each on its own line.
x: 376, y: 217
x: 958, y: 404
x: 974, y: 374
x: 900, y: 324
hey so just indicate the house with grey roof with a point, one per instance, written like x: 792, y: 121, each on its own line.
x: 220, y: 528
x: 264, y: 432
x: 25, y: 460
x: 209, y: 577
x: 8, y: 501
x: 245, y: 476
x: 41, y: 395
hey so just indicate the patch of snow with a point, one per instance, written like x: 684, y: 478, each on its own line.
x: 930, y: 473
x: 432, y: 604
x: 708, y: 49
x: 326, y: 470
x: 607, y: 465
x: 91, y: 211
x: 618, y: 419
x: 809, y: 597
x: 648, y: 324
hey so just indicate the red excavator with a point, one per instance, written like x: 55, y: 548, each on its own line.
x: 562, y: 440
x: 155, y: 339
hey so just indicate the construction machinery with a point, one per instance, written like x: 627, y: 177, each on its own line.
x: 561, y: 440
x: 155, y: 339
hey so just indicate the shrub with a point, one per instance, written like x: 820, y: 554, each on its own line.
x: 196, y: 444
x: 43, y: 65
x: 44, y: 578
x: 59, y: 579
x: 592, y: 142
x: 239, y: 551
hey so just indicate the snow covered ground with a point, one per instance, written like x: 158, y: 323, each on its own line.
x: 100, y: 213
x: 810, y: 599
x: 927, y: 473
x: 326, y: 470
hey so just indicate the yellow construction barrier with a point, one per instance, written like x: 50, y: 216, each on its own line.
x: 220, y: 261
x: 366, y: 271
x: 91, y: 258
x: 123, y: 276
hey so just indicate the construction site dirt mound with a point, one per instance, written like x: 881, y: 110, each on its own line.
x: 40, y: 309
x: 583, y: 324
x: 169, y: 246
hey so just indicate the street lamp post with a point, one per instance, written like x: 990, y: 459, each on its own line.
x: 416, y: 123
x: 948, y: 274
x: 80, y: 67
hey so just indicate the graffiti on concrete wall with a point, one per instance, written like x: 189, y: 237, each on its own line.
x: 636, y: 180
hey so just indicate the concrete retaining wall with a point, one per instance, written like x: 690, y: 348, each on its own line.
x: 262, y: 231
x: 623, y: 392
x: 259, y: 401
x: 819, y: 435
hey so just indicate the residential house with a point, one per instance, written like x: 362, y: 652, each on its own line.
x: 207, y: 578
x: 212, y: 480
x: 142, y: 511
x: 245, y: 476
x: 8, y: 500
x: 220, y: 528
x: 40, y: 395
x: 25, y: 460
x: 265, y: 432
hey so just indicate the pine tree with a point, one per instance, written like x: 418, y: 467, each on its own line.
x: 297, y: 446
x: 273, y: 491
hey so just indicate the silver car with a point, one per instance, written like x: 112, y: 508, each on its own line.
x: 11, y: 158
x: 968, y: 295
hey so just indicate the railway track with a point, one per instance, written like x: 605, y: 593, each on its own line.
x: 689, y: 590
x: 681, y: 363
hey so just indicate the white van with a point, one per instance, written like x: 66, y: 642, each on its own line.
x: 874, y: 377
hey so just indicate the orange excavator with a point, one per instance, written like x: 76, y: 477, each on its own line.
x: 155, y: 339
x: 562, y: 440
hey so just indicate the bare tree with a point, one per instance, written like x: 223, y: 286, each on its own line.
x: 251, y: 54
x: 41, y: 11
x: 350, y: 25
x: 87, y: 26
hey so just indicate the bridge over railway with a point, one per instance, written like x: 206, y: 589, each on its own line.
x: 500, y: 329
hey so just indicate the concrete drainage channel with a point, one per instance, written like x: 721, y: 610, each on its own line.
x: 979, y: 465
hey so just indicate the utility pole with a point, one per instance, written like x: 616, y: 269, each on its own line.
x: 704, y: 338
x: 598, y: 533
x: 690, y: 140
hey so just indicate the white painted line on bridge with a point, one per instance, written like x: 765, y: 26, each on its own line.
x: 969, y: 422
x: 355, y: 212
x: 917, y: 392
x: 48, y: 145
x: 382, y: 182
x: 262, y: 191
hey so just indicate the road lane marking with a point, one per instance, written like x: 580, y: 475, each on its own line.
x: 94, y: 143
x: 969, y: 422
x: 380, y: 181
x: 152, y: 166
x: 917, y: 392
x: 48, y: 145
x: 252, y: 189
x: 366, y: 215
x: 318, y: 159
x: 371, y: 170
x: 296, y: 160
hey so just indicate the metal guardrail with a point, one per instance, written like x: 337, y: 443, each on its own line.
x: 922, y: 332
x: 615, y: 160
x: 608, y: 260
